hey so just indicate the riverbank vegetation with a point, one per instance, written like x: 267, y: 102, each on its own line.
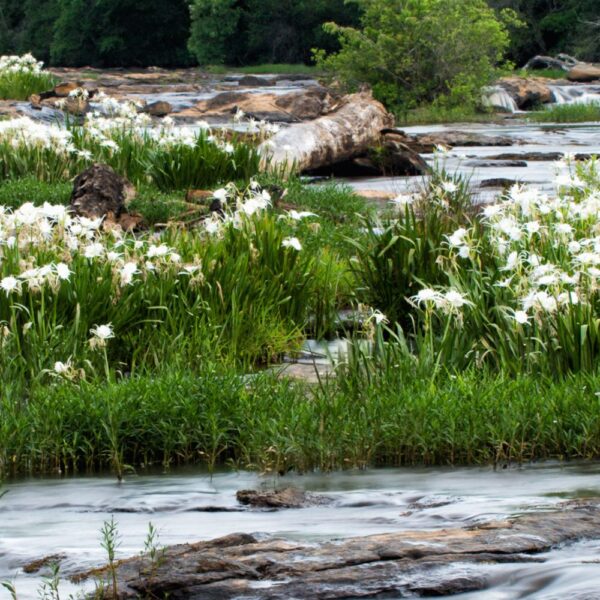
x: 568, y: 113
x: 474, y: 331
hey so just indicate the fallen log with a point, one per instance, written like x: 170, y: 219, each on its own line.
x: 348, y: 131
x: 399, y: 563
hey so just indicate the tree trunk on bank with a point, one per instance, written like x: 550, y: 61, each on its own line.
x: 348, y: 131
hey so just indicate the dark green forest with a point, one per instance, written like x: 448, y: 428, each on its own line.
x: 169, y: 33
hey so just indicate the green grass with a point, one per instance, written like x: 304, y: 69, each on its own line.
x: 547, y: 73
x: 431, y: 114
x: 268, y: 69
x: 212, y: 418
x: 568, y: 113
x: 20, y: 86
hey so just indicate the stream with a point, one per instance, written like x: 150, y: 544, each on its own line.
x: 41, y: 517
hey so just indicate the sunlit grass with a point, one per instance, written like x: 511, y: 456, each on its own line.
x: 568, y: 113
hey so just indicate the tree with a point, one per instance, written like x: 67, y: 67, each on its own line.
x: 121, y: 33
x: 214, y: 25
x: 415, y: 51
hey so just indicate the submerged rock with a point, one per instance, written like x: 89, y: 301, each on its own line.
x: 405, y: 563
x: 100, y: 192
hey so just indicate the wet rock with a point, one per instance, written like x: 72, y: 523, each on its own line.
x: 284, y: 498
x: 399, y: 564
x: 398, y: 158
x: 158, y: 109
x: 76, y: 105
x: 490, y: 164
x: 63, y: 89
x: 584, y: 73
x: 451, y: 139
x: 100, y: 192
x: 528, y: 156
x: 499, y: 182
x: 527, y: 92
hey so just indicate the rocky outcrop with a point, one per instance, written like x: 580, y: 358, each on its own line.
x: 527, y: 92
x: 346, y: 133
x: 100, y: 192
x: 428, y: 142
x: 584, y: 73
x: 398, y: 564
x: 285, y: 108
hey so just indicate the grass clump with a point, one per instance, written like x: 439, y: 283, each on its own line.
x: 22, y: 76
x: 393, y: 416
x: 568, y: 113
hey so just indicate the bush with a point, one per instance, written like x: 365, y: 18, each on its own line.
x: 414, y: 51
x: 21, y: 76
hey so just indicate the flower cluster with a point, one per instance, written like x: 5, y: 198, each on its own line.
x: 20, y: 64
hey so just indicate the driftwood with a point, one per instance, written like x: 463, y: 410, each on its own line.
x: 348, y: 131
x: 398, y: 564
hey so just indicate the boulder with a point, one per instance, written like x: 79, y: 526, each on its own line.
x: 255, y: 81
x: 527, y: 92
x: 63, y: 89
x: 158, y: 109
x: 347, y: 132
x: 584, y: 73
x: 100, y: 192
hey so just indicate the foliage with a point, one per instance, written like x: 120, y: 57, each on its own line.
x: 567, y: 26
x: 240, y: 32
x: 413, y: 51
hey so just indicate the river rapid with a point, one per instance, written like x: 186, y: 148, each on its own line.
x: 41, y: 517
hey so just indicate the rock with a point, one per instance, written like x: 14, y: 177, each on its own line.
x: 527, y: 92
x: 547, y: 62
x: 100, y: 192
x: 346, y: 133
x: 309, y: 103
x: 76, y: 105
x: 398, y: 564
x: 499, y: 182
x: 63, y: 89
x: 584, y: 73
x: 284, y: 498
x: 399, y: 159
x: 451, y: 139
x: 490, y: 164
x: 158, y: 109
x: 527, y: 156
x: 255, y: 81
x: 199, y: 196
x: 36, y: 566
x: 36, y: 101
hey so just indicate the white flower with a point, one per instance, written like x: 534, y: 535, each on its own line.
x: 10, y: 284
x: 127, y: 272
x: 298, y: 216
x: 449, y: 187
x: 521, y: 317
x: 455, y: 299
x: 158, y: 251
x: 221, y: 194
x: 378, y: 317
x: 63, y: 272
x: 292, y: 242
x: 427, y: 295
x: 60, y: 368
x: 457, y: 239
x: 103, y: 332
x: 94, y: 250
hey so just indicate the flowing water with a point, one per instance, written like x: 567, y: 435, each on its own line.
x: 40, y: 517
x: 482, y: 164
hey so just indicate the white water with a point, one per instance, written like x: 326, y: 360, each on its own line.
x: 497, y: 98
x: 48, y: 516
x: 576, y: 94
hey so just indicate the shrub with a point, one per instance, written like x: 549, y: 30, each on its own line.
x: 414, y: 51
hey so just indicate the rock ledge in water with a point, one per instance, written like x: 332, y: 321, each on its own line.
x: 395, y: 564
